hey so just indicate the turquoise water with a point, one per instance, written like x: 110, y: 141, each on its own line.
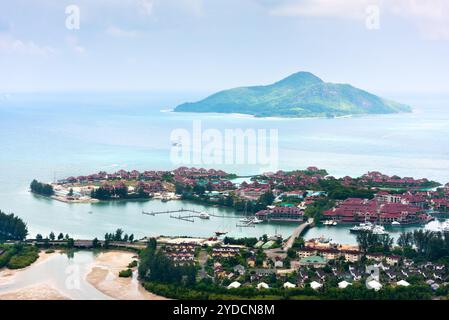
x: 60, y: 135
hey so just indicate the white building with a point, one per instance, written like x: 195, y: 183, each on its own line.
x: 344, y: 284
x: 234, y: 285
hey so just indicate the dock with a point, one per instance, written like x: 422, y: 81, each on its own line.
x: 154, y: 213
x: 184, y: 218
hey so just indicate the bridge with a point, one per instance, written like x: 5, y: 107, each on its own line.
x: 298, y: 232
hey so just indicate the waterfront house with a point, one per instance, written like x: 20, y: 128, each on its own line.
x: 284, y: 213
x: 351, y: 255
x: 330, y: 254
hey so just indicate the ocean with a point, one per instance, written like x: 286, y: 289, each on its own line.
x: 52, y: 136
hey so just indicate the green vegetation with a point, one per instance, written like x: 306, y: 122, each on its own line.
x: 316, y: 209
x: 118, y: 192
x: 336, y: 191
x: 247, y: 242
x: 155, y: 266
x: 425, y: 245
x: 41, y: 188
x: 133, y: 264
x: 12, y: 227
x: 18, y: 256
x: 128, y: 273
x: 299, y: 95
x: 374, y: 243
x: 207, y: 290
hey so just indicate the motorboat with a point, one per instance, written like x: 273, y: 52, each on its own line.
x: 204, y: 215
x: 257, y: 220
x: 362, y: 227
x: 395, y: 224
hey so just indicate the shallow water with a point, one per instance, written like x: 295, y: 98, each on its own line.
x: 67, y: 274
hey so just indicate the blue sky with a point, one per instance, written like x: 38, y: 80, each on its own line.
x: 207, y: 45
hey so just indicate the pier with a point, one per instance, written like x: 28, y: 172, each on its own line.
x: 154, y: 213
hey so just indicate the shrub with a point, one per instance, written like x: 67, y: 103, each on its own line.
x: 125, y: 273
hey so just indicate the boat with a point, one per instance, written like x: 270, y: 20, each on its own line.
x: 395, y: 224
x: 257, y: 220
x: 378, y: 230
x: 245, y: 220
x: 330, y: 223
x: 204, y: 215
x: 368, y: 227
x: 322, y: 239
x: 363, y: 227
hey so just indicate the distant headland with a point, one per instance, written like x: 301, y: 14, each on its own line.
x: 299, y: 95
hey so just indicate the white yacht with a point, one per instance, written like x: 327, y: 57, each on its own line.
x: 395, y: 224
x: 363, y: 227
x: 204, y: 215
x: 257, y: 220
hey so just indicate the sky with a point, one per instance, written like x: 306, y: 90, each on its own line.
x: 206, y: 45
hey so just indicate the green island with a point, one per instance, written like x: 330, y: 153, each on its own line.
x: 299, y: 95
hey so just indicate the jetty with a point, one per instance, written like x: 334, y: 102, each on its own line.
x: 154, y: 213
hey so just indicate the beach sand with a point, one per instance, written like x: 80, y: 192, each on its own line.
x: 104, y: 277
x: 7, y: 275
x: 43, y: 291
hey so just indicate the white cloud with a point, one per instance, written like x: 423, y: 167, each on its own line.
x: 9, y: 44
x: 431, y: 17
x: 121, y: 33
x: 352, y: 9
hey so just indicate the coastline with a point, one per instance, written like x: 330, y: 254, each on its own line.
x: 104, y: 277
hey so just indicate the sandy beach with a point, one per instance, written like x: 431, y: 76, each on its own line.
x: 7, y: 275
x: 104, y: 277
x: 101, y: 274
x: 43, y: 291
